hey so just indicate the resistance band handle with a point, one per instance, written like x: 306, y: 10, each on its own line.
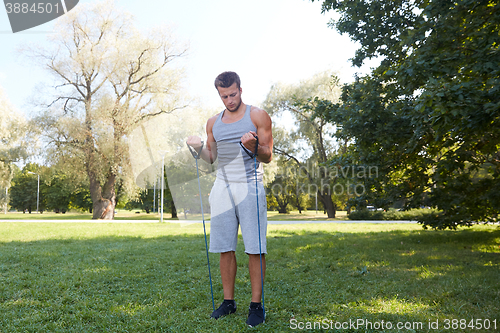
x: 196, y: 154
x: 252, y: 155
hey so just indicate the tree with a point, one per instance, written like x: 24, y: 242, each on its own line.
x: 152, y: 193
x: 428, y: 115
x: 67, y: 186
x: 282, y: 189
x: 111, y: 78
x: 310, y: 142
x: 24, y: 190
x: 57, y: 192
x: 143, y: 201
x: 12, y: 144
x: 81, y: 199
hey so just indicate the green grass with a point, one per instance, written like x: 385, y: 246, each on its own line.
x: 308, y: 215
x: 142, y: 215
x: 120, y: 215
x: 45, y: 216
x: 151, y: 277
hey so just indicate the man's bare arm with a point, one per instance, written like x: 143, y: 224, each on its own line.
x: 209, y: 151
x: 263, y: 123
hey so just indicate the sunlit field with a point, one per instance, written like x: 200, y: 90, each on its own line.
x: 152, y: 277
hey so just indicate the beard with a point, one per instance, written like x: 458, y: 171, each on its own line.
x: 235, y: 108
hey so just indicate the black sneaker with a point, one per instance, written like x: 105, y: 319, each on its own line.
x: 255, y: 315
x: 227, y: 307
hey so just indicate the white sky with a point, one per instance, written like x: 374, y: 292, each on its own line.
x: 264, y: 41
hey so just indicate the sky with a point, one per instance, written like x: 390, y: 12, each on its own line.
x: 264, y: 41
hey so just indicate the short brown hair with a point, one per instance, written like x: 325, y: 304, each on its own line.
x: 226, y: 80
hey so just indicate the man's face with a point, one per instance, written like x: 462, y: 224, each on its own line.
x: 231, y: 97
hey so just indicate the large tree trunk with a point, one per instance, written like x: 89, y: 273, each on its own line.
x: 103, y: 197
x: 330, y: 208
x: 104, y: 209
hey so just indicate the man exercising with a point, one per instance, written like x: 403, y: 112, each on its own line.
x: 233, y: 197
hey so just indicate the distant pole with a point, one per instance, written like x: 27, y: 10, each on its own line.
x: 162, y: 181
x: 154, y: 195
x: 38, y: 193
x: 6, y: 200
x: 316, y: 203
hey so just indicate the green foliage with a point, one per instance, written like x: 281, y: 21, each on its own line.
x: 394, y: 215
x: 12, y: 144
x: 81, y: 199
x: 57, y: 193
x: 428, y: 116
x: 366, y: 215
x: 24, y: 189
x: 309, y: 143
x: 61, y: 189
x: 145, y: 197
x: 143, y: 201
x: 283, y: 189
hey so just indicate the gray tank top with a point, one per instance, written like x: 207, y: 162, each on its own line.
x: 235, y: 165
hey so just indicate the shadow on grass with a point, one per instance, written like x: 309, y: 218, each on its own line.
x: 134, y: 284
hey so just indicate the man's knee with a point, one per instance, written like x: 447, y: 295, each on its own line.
x: 227, y: 255
x: 256, y: 255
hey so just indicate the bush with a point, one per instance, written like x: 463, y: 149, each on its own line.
x: 408, y: 215
x: 365, y: 214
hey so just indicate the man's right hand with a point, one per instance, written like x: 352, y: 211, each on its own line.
x: 194, y: 141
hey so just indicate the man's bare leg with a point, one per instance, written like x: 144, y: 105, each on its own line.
x: 255, y: 277
x: 228, y: 273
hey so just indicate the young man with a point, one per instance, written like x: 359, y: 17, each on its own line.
x: 233, y: 199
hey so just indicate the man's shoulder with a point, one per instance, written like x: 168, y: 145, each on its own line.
x: 211, y: 120
x: 255, y: 111
x: 258, y: 114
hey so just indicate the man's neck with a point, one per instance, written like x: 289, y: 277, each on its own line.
x: 235, y: 115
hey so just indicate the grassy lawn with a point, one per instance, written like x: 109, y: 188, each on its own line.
x: 121, y: 215
x: 142, y: 215
x: 308, y: 215
x: 79, y: 277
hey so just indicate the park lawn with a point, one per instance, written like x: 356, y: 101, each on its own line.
x: 45, y: 216
x: 142, y: 215
x: 152, y: 277
x: 307, y: 215
x: 72, y: 215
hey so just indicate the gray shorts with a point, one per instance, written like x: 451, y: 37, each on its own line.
x: 233, y: 205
